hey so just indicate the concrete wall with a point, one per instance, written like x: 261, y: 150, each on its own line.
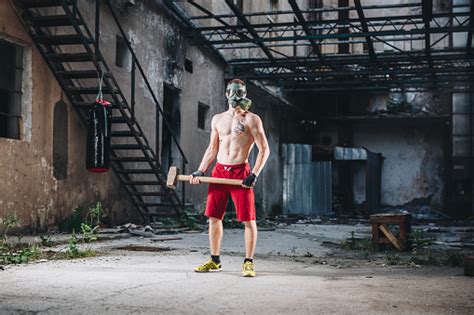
x: 413, y: 169
x: 27, y: 185
x: 26, y: 174
x: 413, y: 165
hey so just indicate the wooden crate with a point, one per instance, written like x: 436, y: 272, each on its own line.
x: 381, y: 233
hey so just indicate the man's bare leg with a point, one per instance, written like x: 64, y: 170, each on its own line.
x: 216, y: 230
x: 250, y: 238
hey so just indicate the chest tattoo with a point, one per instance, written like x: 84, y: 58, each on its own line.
x: 239, y: 127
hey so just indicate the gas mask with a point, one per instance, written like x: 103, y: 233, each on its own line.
x: 236, y: 96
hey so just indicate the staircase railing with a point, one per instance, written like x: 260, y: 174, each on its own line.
x: 135, y: 64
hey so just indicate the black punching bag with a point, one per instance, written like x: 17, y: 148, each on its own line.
x: 98, y: 137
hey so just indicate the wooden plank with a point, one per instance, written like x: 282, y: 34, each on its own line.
x: 391, y: 237
x: 375, y: 233
x: 388, y: 219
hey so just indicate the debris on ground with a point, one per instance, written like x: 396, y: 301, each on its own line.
x: 138, y: 248
x: 163, y: 239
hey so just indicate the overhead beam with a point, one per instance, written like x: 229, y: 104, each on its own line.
x: 249, y: 27
x: 471, y: 25
x: 179, y: 12
x: 406, y: 20
x: 302, y: 21
x: 432, y: 30
x: 220, y: 20
x: 331, y: 9
x: 365, y: 28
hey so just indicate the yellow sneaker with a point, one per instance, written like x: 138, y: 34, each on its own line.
x: 247, y: 269
x: 209, y: 266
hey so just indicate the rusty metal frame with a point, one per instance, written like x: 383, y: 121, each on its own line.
x: 427, y: 66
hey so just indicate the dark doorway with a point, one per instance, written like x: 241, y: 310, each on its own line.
x: 173, y: 117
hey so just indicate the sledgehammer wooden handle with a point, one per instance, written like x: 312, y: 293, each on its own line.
x: 174, y: 177
x: 212, y: 180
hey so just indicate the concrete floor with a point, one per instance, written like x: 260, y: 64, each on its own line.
x: 288, y: 280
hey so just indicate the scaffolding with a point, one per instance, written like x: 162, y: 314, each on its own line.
x: 387, y: 46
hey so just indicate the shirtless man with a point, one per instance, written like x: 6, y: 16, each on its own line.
x: 233, y: 135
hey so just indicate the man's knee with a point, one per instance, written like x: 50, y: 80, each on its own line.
x: 213, y: 220
x: 250, y: 223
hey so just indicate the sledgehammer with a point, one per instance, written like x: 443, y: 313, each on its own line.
x: 174, y: 177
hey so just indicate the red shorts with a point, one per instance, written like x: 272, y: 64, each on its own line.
x: 218, y: 194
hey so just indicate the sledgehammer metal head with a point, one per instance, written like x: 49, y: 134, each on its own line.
x: 172, y: 179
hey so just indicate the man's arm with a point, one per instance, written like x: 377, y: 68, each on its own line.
x: 258, y: 134
x: 211, y: 151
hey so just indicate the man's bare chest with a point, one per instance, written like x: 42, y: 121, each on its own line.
x: 232, y: 126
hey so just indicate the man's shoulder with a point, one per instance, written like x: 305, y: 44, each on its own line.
x: 217, y: 116
x: 252, y: 117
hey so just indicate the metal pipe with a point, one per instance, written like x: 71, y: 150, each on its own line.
x: 132, y: 92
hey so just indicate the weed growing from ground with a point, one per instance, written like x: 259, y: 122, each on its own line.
x: 353, y: 243
x: 15, y: 254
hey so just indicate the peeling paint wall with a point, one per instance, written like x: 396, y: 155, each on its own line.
x: 412, y: 168
x: 27, y: 185
x: 26, y: 175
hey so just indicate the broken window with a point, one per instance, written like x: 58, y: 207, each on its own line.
x: 123, y: 56
x: 11, y: 68
x: 188, y: 65
x: 203, y: 110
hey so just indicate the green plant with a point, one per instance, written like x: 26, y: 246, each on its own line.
x: 454, y: 258
x: 190, y: 221
x: 308, y: 254
x: 73, y: 223
x: 354, y: 243
x: 91, y: 223
x: 89, y: 233
x: 19, y: 254
x: 46, y: 240
x: 72, y: 249
x: 9, y: 221
x: 392, y: 259
x: 428, y: 260
x: 231, y: 223
x: 418, y: 237
x: 365, y: 254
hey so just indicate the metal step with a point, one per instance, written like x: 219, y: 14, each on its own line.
x: 75, y: 57
x: 39, y: 3
x: 72, y: 39
x: 120, y: 120
x: 142, y: 183
x: 87, y: 90
x: 124, y: 134
x: 51, y: 20
x: 79, y: 74
x: 55, y: 17
x: 145, y: 194
x: 129, y: 159
x: 128, y: 147
x: 152, y: 204
x: 137, y: 171
x: 161, y: 214
x: 86, y: 105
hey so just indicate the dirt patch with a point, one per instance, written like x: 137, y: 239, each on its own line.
x: 137, y: 248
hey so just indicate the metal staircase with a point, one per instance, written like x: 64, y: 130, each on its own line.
x: 73, y: 55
